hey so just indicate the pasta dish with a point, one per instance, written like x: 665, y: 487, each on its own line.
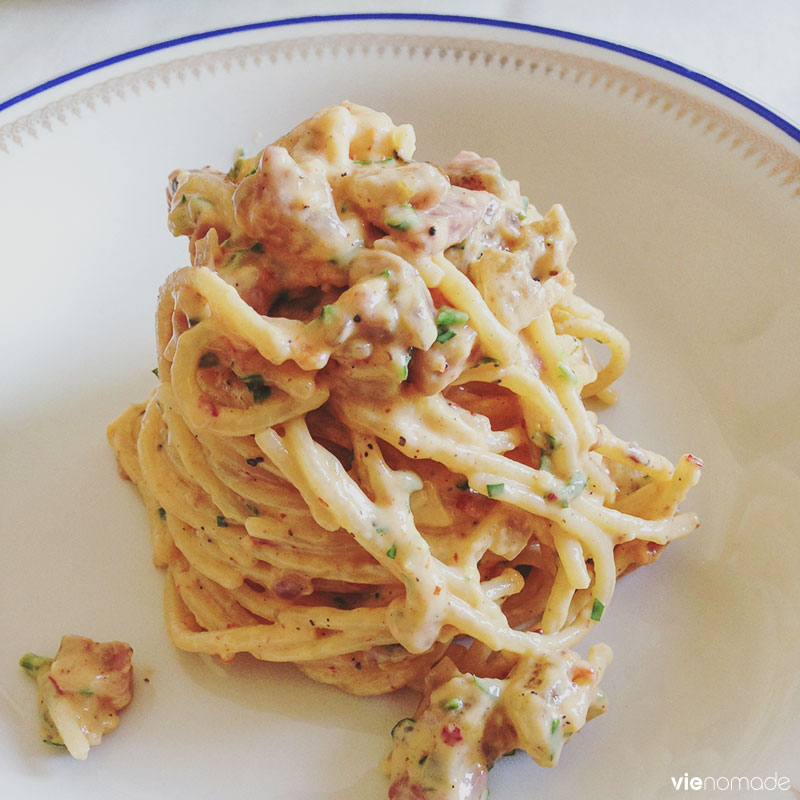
x: 374, y: 450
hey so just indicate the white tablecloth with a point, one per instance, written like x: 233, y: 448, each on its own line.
x: 752, y: 47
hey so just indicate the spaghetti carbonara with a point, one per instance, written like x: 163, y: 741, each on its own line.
x: 370, y: 453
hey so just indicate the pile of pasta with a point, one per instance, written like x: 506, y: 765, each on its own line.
x: 371, y: 448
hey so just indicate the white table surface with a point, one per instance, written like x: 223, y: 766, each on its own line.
x: 752, y: 47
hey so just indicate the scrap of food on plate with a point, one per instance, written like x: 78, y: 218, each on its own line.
x: 81, y: 691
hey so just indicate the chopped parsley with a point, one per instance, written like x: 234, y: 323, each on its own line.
x: 446, y: 317
x: 566, y: 372
x: 574, y: 488
x: 404, y: 362
x: 402, y: 217
x: 451, y: 316
x: 257, y: 387
x: 483, y: 684
x: 32, y: 663
x: 597, y: 610
x: 495, y: 489
x: 366, y: 162
x: 221, y: 522
x: 392, y: 551
x: 405, y: 725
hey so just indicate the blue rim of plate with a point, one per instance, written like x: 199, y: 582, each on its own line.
x: 770, y: 116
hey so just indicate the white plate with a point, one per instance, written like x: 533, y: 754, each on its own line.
x: 685, y: 197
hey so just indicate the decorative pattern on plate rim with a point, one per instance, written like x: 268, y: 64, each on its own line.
x: 753, y: 145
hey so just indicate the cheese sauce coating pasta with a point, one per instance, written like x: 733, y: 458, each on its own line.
x: 369, y: 451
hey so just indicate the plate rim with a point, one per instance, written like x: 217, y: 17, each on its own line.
x: 752, y: 105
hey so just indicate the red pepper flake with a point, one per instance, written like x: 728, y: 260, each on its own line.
x: 551, y: 496
x: 451, y: 734
x: 437, y: 590
x: 53, y: 681
x: 698, y: 462
x: 208, y: 406
x: 403, y: 787
x: 322, y: 502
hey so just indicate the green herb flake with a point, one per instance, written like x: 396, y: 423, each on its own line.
x: 252, y: 380
x: 492, y: 689
x: 257, y: 248
x: 577, y: 483
x: 162, y: 513
x: 524, y: 212
x: 445, y: 335
x: 367, y: 161
x: 488, y: 360
x: 86, y: 692
x: 261, y: 393
x: 392, y: 551
x: 554, y: 726
x: 404, y: 362
x: 155, y: 371
x: 32, y: 663
x: 566, y: 372
x: 222, y: 522
x: 327, y: 313
x: 451, y: 316
x: 597, y: 610
x: 405, y: 725
x: 495, y: 489
x: 257, y: 387
x: 402, y: 217
x: 452, y: 704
